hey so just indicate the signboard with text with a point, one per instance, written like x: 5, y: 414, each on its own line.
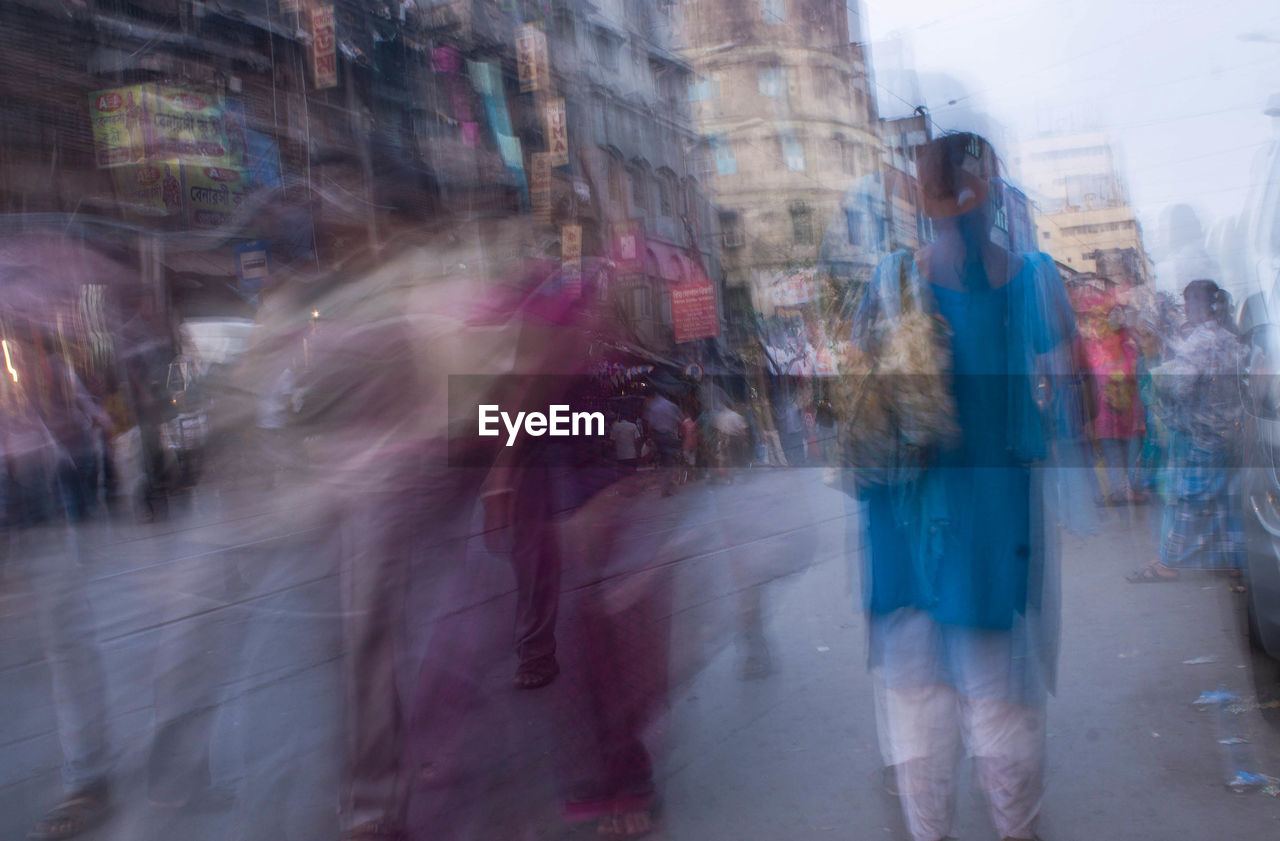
x: 149, y: 124
x: 119, y: 120
x: 628, y: 247
x: 531, y: 58
x: 540, y: 187
x: 212, y: 194
x: 188, y: 127
x: 557, y: 133
x: 324, y: 47
x: 694, y: 314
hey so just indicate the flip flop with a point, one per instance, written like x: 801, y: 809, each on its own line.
x: 1148, y: 575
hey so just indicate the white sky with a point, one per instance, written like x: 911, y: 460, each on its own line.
x: 1171, y: 81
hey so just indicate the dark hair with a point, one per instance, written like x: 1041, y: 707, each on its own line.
x: 1215, y: 298
x: 940, y: 161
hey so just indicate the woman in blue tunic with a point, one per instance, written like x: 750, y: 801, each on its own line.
x: 958, y: 583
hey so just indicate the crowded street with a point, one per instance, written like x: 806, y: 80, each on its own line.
x: 238, y: 585
x: 639, y: 420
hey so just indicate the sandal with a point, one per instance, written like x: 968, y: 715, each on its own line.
x: 537, y: 673
x: 1150, y: 575
x: 81, y: 811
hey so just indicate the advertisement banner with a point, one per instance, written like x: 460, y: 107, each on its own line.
x: 693, y: 311
x: 531, y: 58
x: 149, y: 189
x: 540, y: 187
x: 324, y: 47
x: 187, y: 127
x: 119, y: 120
x: 151, y: 124
x: 557, y: 133
x: 212, y: 194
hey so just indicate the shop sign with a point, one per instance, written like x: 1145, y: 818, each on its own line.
x: 557, y: 133
x: 531, y: 58
x: 324, y: 48
x: 540, y: 187
x: 693, y: 311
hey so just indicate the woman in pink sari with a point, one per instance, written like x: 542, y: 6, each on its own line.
x: 1111, y: 358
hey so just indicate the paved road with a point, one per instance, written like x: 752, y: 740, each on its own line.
x: 239, y: 592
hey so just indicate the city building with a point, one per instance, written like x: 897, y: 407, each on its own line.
x: 1083, y: 207
x: 781, y: 95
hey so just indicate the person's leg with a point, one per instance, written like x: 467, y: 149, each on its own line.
x: 535, y: 560
x: 50, y: 556
x: 1115, y: 457
x: 1002, y: 710
x: 1007, y: 742
x: 376, y: 540
x: 75, y: 660
x: 921, y: 719
x: 924, y: 734
x: 1228, y: 537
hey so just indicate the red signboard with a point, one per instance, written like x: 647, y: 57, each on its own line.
x: 693, y: 311
x: 324, y: 48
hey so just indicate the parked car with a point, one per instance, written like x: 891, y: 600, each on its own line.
x: 1255, y: 250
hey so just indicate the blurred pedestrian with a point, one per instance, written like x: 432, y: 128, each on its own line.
x: 1199, y: 390
x: 962, y: 631
x: 662, y: 419
x: 626, y: 442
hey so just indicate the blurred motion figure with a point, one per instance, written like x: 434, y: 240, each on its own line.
x: 958, y: 577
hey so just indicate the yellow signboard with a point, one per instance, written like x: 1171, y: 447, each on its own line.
x: 119, y: 120
x: 212, y: 194
x: 188, y: 128
x: 531, y: 58
x: 557, y: 133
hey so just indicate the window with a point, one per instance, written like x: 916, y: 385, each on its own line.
x: 1044, y: 234
x: 639, y: 191
x: 641, y: 304
x: 701, y: 90
x: 853, y: 225
x: 801, y: 223
x: 665, y: 314
x: 792, y: 151
x: 726, y: 162
x: 615, y: 181
x: 769, y: 81
x: 666, y: 194
x: 730, y: 231
x: 606, y: 50
x: 565, y: 27
x: 775, y: 11
x: 998, y: 209
x: 848, y: 156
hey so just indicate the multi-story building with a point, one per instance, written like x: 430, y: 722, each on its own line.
x: 1082, y: 202
x: 781, y: 95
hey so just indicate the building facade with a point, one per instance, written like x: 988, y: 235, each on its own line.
x: 1082, y: 203
x: 782, y: 98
